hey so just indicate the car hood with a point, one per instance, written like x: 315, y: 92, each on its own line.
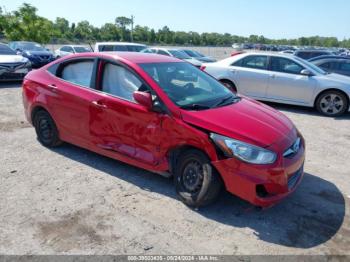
x: 12, y: 59
x: 336, y: 78
x: 246, y: 120
x: 193, y: 61
x: 206, y: 59
x: 46, y: 53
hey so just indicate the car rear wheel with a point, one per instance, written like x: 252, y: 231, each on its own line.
x: 229, y: 85
x: 332, y: 103
x: 197, y: 182
x: 46, y: 129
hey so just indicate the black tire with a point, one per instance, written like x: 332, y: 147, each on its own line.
x: 46, y: 129
x: 228, y: 84
x: 197, y: 183
x: 332, y: 103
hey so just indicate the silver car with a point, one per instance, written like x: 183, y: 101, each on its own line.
x: 284, y: 79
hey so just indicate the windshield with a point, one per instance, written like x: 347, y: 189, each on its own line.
x: 179, y: 54
x: 5, y: 50
x: 187, y: 86
x: 81, y: 49
x: 30, y: 47
x: 311, y: 65
x: 191, y: 53
x: 198, y: 54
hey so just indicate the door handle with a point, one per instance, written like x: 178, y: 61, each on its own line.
x: 99, y: 104
x: 273, y: 76
x: 52, y: 87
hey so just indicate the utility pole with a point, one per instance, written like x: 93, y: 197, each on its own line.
x: 132, y: 28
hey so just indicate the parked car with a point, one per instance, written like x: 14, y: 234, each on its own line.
x: 322, y: 57
x: 119, y: 47
x: 12, y: 66
x: 237, y: 53
x: 308, y: 54
x: 71, y: 49
x: 334, y: 65
x: 284, y: 79
x: 164, y: 115
x: 37, y: 54
x: 198, y: 56
x: 287, y: 52
x: 174, y: 53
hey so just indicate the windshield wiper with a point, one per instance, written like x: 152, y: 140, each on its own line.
x: 195, y: 107
x: 226, y: 101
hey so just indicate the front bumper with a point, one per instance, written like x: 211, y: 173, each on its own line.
x: 263, y: 185
x: 16, y: 75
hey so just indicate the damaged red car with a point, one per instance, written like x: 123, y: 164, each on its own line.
x: 167, y: 116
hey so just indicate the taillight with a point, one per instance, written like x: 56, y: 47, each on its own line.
x: 202, y: 67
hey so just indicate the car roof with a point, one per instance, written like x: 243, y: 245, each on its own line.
x: 119, y: 43
x: 237, y: 57
x: 328, y: 57
x: 313, y: 51
x: 133, y: 57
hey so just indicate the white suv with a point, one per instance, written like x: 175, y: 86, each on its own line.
x: 118, y: 47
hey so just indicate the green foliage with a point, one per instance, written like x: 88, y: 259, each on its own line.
x: 110, y: 32
x: 26, y: 24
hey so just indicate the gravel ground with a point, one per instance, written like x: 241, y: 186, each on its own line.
x: 71, y: 201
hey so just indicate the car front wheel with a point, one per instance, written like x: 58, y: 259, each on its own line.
x: 332, y: 103
x: 197, y: 182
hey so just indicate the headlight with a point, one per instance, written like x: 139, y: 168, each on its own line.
x: 243, y: 151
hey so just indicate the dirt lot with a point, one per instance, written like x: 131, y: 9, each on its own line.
x: 71, y: 201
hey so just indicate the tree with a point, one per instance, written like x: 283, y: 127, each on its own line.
x: 25, y: 24
x: 141, y: 34
x: 109, y: 32
x: 84, y: 31
x: 152, y: 37
x: 122, y: 22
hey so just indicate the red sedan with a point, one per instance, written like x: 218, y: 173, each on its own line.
x: 165, y: 115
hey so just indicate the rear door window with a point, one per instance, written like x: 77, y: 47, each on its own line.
x: 254, y: 61
x: 79, y: 72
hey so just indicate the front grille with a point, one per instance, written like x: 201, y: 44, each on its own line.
x: 293, y: 179
x: 11, y: 67
x: 43, y: 57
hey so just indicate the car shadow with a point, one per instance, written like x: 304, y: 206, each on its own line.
x: 302, y: 110
x: 309, y: 217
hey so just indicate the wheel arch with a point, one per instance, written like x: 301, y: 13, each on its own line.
x: 226, y: 79
x: 331, y: 89
x: 36, y: 109
x: 174, y: 153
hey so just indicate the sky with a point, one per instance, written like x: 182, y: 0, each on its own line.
x: 272, y: 18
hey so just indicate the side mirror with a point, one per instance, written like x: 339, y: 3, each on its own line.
x: 306, y: 72
x: 143, y: 98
